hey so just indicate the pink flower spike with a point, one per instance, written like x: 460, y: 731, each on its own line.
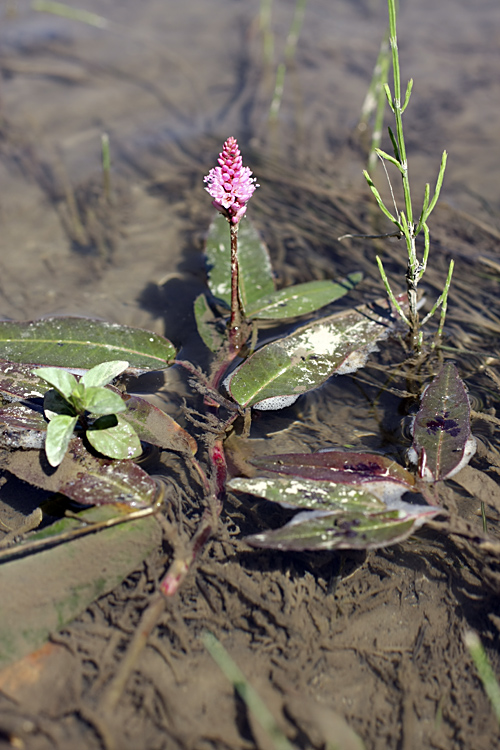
x: 231, y: 185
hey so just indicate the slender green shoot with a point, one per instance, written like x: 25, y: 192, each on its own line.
x: 246, y: 692
x: 265, y: 14
x: 290, y: 49
x: 483, y: 517
x: 106, y: 166
x: 279, y: 87
x: 404, y: 219
x: 389, y: 291
x: 443, y: 297
x: 295, y: 28
x: 74, y: 14
x: 375, y: 100
x: 485, y: 671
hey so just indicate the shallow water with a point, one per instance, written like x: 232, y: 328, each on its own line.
x: 169, y: 82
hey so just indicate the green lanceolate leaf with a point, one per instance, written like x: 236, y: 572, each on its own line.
x: 256, y: 275
x: 279, y: 372
x: 291, y: 492
x: 207, y: 324
x: 320, y: 531
x: 114, y: 437
x: 83, y: 343
x: 442, y: 441
x: 99, y: 400
x: 59, y: 433
x: 104, y: 373
x: 301, y: 299
x: 62, y: 380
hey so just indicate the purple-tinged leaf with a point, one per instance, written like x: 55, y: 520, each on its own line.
x: 320, y: 531
x: 18, y: 382
x: 83, y: 477
x: 21, y: 427
x: 279, y: 372
x: 442, y: 440
x: 376, y: 473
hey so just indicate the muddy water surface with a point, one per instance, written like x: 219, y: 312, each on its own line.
x: 370, y: 642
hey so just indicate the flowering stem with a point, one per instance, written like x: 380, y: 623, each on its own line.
x: 235, y: 331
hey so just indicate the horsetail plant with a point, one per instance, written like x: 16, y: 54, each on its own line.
x: 408, y: 226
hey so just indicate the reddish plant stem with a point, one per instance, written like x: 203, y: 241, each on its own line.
x: 182, y: 562
x: 235, y: 327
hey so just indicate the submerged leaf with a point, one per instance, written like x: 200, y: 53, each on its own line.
x: 301, y: 299
x: 320, y: 531
x: 442, y: 441
x: 255, y: 271
x: 83, y: 343
x: 279, y: 372
x: 45, y: 591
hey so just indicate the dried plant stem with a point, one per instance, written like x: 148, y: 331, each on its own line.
x: 148, y: 622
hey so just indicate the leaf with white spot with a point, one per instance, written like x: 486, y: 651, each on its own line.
x: 292, y: 492
x: 279, y: 372
x: 18, y: 382
x: 333, y: 531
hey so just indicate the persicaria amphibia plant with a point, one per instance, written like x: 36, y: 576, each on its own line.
x: 231, y: 186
